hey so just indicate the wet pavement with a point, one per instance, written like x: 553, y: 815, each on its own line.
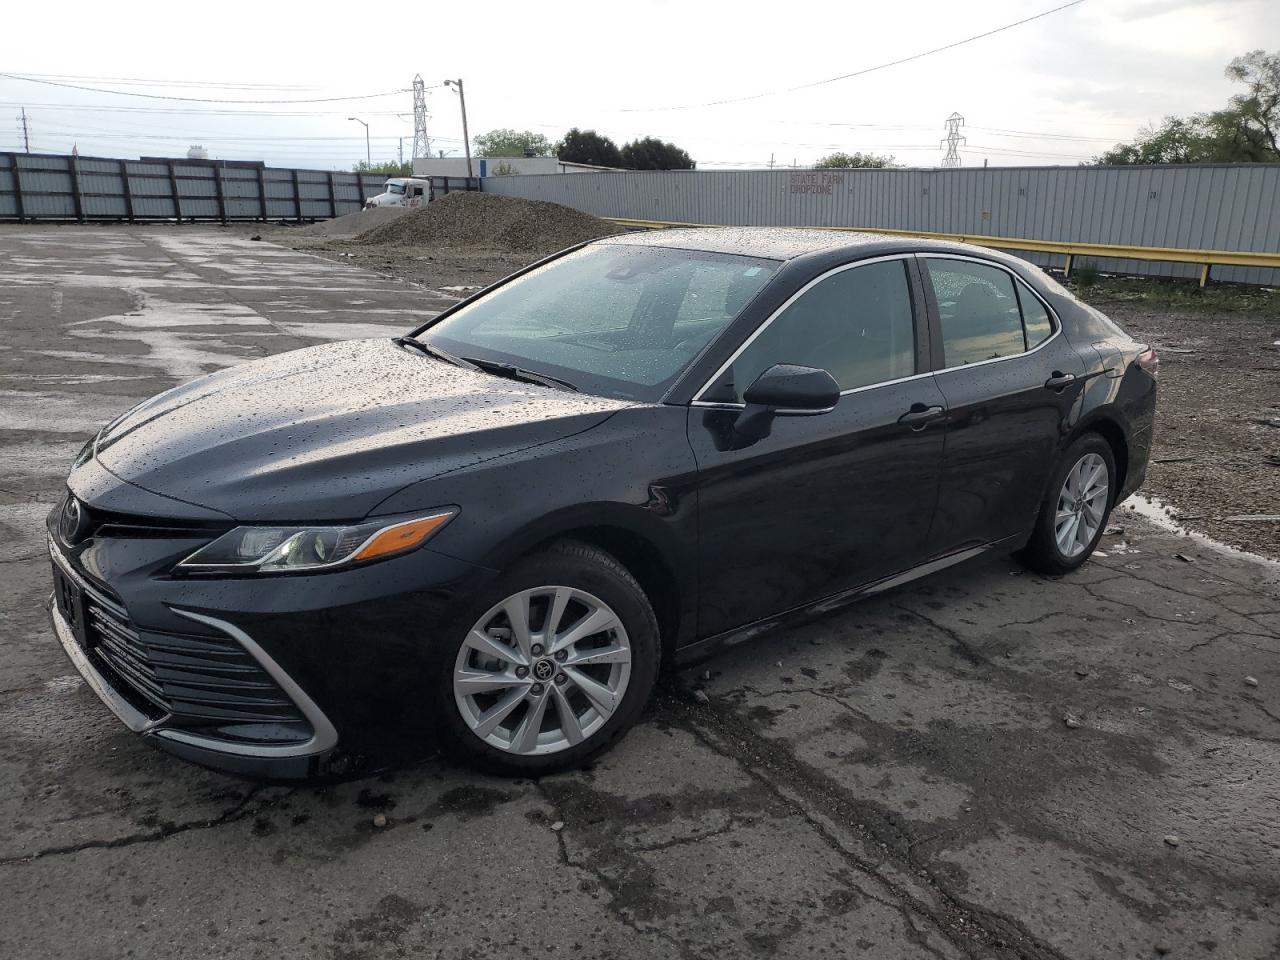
x: 899, y: 780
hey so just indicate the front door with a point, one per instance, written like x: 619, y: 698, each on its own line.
x: 825, y: 502
x: 1010, y: 380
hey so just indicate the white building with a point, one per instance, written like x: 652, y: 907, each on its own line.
x: 497, y: 166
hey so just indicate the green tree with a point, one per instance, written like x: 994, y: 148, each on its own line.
x: 385, y: 167
x: 650, y: 153
x: 1177, y: 140
x: 853, y: 161
x: 1244, y: 131
x: 1258, y: 110
x: 511, y: 143
x: 587, y: 146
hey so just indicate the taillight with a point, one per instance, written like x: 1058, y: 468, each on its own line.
x: 1149, y: 361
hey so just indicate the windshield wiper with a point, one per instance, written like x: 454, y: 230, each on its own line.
x: 512, y: 372
x: 409, y: 343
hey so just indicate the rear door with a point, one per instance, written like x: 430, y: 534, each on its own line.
x: 1010, y: 380
x: 826, y: 502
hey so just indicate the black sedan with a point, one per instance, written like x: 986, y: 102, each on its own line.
x: 493, y: 533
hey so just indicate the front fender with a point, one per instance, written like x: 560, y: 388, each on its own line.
x: 634, y: 473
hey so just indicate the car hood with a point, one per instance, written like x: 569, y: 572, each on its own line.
x: 328, y: 432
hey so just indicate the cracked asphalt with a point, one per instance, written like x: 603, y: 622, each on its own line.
x: 894, y: 781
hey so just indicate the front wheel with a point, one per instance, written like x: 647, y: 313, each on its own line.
x: 551, y: 666
x: 1075, y: 511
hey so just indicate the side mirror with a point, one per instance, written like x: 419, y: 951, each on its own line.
x: 784, y: 390
x: 793, y: 390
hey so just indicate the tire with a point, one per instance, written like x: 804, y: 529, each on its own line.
x: 603, y: 679
x: 1044, y: 552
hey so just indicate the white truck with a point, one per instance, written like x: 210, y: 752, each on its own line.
x: 401, y: 192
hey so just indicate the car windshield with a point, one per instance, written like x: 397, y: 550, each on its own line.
x: 611, y: 319
x: 395, y: 188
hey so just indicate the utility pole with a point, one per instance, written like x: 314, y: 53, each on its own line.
x: 953, y: 140
x: 466, y: 138
x: 26, y: 132
x: 368, y: 153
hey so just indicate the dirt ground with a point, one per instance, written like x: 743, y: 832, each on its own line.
x: 1217, y: 449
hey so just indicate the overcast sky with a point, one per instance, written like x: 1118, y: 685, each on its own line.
x: 1058, y: 89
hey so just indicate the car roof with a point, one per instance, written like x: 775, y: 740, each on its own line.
x: 773, y: 243
x: 787, y: 243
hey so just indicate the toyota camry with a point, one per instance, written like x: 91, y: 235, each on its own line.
x: 492, y: 534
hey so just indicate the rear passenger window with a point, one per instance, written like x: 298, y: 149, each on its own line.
x: 856, y: 324
x: 1035, y: 318
x: 978, y: 310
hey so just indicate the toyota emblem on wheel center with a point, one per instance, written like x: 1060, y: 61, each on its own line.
x: 543, y: 670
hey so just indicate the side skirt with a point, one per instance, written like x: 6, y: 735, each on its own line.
x: 702, y: 649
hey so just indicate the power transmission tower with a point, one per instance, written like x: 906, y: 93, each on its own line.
x: 954, y: 139
x: 421, y: 142
x: 26, y: 132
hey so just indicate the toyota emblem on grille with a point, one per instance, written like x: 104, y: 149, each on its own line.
x: 74, y: 522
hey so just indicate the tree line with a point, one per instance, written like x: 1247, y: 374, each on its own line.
x: 584, y: 146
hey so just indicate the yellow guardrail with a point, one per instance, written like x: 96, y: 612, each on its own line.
x: 1206, y: 259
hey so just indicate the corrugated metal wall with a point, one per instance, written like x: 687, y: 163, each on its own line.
x: 1220, y: 207
x: 59, y: 187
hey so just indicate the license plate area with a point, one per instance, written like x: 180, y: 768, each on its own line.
x: 69, y: 599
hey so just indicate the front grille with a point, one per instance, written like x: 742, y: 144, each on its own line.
x: 214, y: 682
x: 87, y: 522
x: 114, y: 642
x: 197, y: 682
x: 107, y: 523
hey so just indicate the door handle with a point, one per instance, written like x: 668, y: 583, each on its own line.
x: 920, y: 415
x: 1059, y: 381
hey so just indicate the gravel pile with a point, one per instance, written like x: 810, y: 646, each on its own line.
x: 353, y: 224
x: 488, y: 220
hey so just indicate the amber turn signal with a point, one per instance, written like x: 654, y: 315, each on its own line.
x: 402, y: 536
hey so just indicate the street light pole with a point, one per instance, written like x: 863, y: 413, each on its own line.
x: 368, y: 154
x: 466, y: 139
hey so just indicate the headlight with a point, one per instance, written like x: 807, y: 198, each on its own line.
x: 288, y: 549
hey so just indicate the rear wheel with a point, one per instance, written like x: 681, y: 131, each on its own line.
x: 1075, y: 511
x: 551, y: 666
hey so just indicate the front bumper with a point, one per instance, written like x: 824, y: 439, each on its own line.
x: 298, y: 759
x: 276, y: 678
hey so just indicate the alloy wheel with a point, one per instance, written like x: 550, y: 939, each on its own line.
x: 1082, y: 505
x: 542, y: 671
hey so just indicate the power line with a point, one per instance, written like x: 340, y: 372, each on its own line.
x: 1027, y: 153
x: 152, y: 82
x: 1043, y: 136
x: 157, y: 96
x: 93, y: 134
x: 862, y: 72
x: 192, y: 111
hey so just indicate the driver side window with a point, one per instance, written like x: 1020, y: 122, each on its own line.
x: 856, y: 324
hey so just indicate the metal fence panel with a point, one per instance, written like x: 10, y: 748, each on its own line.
x: 1187, y: 207
x: 154, y: 208
x: 104, y: 207
x: 59, y: 187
